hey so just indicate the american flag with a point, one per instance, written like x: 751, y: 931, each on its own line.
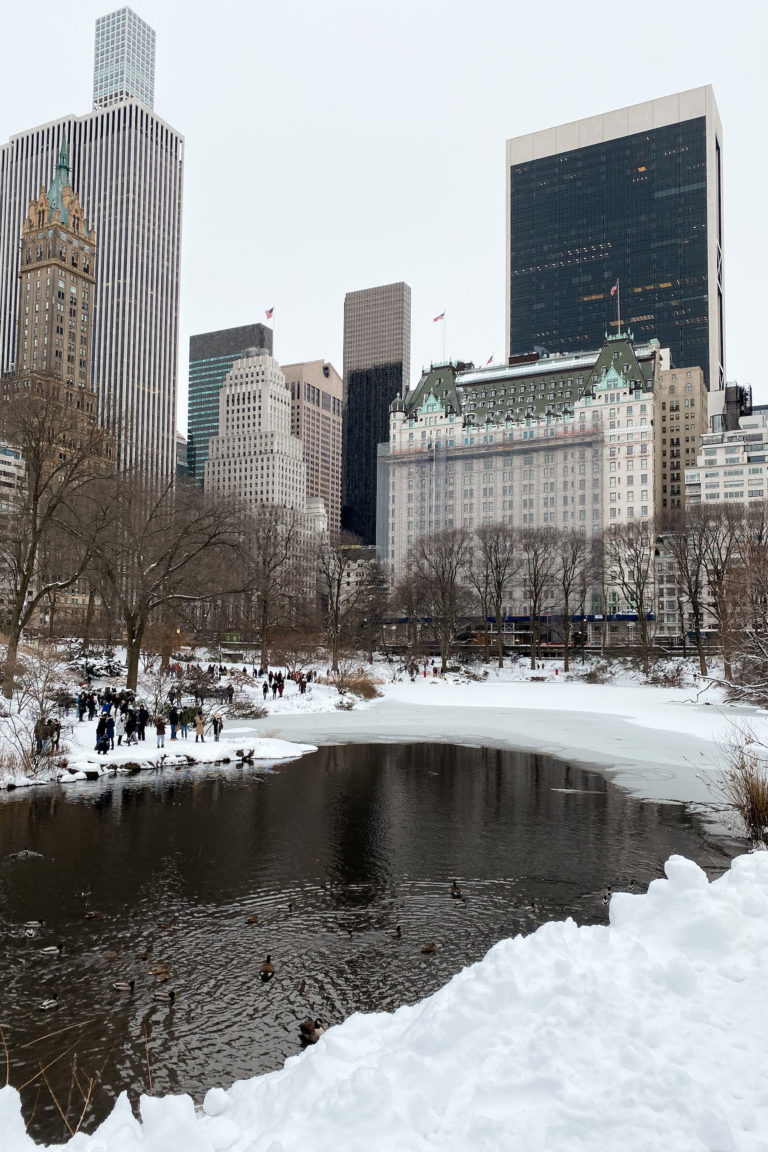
x: 615, y: 288
x: 268, y: 313
x: 440, y: 317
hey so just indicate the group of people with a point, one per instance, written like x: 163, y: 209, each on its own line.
x: 180, y: 721
x: 47, y: 735
x: 275, y: 681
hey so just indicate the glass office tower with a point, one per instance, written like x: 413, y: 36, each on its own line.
x: 377, y: 364
x: 634, y: 197
x: 211, y: 355
x: 124, y: 60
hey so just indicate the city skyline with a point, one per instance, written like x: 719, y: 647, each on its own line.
x: 382, y: 155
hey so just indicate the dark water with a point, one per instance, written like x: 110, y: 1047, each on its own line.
x: 359, y: 839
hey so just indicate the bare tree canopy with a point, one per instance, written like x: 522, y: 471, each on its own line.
x: 63, y: 453
x: 440, y: 562
x: 573, y: 570
x: 538, y: 555
x: 158, y: 547
x: 629, y: 554
x: 494, y: 566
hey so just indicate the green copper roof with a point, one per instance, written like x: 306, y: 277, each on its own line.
x: 59, y: 183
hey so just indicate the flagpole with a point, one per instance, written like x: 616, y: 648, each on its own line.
x: 618, y: 305
x: 444, y: 359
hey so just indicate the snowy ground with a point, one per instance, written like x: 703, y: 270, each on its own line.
x: 646, y: 1035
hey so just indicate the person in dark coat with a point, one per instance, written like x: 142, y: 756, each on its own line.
x: 173, y: 720
x: 109, y: 730
x: 142, y: 718
x: 130, y: 726
x: 265, y: 690
x: 102, y: 740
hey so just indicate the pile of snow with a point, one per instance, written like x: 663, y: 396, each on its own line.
x: 645, y: 1034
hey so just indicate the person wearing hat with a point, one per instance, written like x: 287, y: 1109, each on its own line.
x: 217, y: 725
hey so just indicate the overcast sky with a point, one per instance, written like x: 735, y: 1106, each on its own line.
x: 336, y: 145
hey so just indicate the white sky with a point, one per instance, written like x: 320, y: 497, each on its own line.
x: 333, y: 145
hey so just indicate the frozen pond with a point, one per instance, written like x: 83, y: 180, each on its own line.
x: 331, y: 853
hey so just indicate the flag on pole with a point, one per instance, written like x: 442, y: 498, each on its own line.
x: 615, y: 288
x: 268, y: 313
x: 440, y: 317
x: 489, y: 361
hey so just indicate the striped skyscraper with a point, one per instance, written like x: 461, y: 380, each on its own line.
x: 127, y: 165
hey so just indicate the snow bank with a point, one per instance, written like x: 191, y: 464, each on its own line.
x: 646, y: 1034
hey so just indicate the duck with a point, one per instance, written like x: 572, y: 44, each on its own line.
x: 428, y: 948
x: 267, y: 970
x: 51, y: 1002
x: 35, y: 924
x: 456, y: 891
x: 93, y: 915
x: 607, y: 896
x: 30, y: 933
x: 53, y: 950
x: 124, y: 985
x: 252, y: 919
x: 310, y: 1030
x: 110, y: 954
x: 168, y: 996
x: 159, y: 970
x: 286, y: 907
x: 397, y: 933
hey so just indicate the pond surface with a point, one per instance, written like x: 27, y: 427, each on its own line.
x: 141, y: 872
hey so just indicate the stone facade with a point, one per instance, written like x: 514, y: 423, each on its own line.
x: 317, y: 393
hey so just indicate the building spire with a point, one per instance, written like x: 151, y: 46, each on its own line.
x: 59, y: 183
x: 63, y: 165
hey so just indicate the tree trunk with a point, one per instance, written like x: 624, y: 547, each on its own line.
x: 534, y: 638
x: 725, y: 638
x: 644, y: 641
x: 699, y: 641
x: 566, y: 636
x: 134, y: 635
x: 9, y: 668
x: 499, y: 634
x: 264, y: 627
x: 89, y: 618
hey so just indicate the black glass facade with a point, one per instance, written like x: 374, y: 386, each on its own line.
x: 369, y: 393
x: 632, y: 209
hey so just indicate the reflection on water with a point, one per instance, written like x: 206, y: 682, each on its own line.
x: 331, y: 853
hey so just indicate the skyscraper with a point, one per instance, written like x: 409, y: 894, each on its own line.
x: 124, y: 60
x: 630, y: 200
x: 127, y: 165
x: 317, y: 405
x: 254, y: 456
x: 377, y: 363
x: 211, y: 355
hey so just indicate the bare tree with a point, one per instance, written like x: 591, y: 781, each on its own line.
x: 440, y: 562
x: 270, y: 557
x: 685, y: 535
x: 157, y: 548
x: 574, y: 555
x: 629, y: 554
x: 538, y: 556
x: 340, y: 593
x: 495, y: 564
x: 62, y: 454
x: 410, y: 598
x: 725, y: 539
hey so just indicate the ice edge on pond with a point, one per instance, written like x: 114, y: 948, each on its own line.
x: 647, y: 1033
